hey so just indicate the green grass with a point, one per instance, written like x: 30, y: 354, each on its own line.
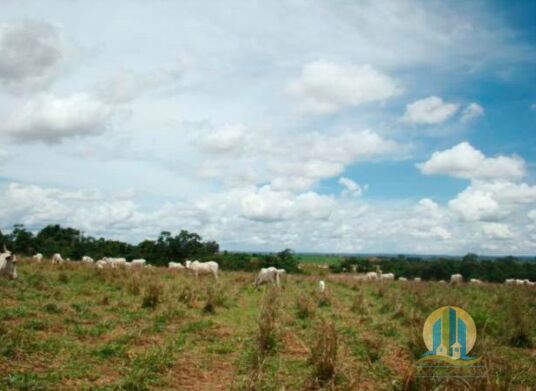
x: 69, y: 326
x: 319, y: 258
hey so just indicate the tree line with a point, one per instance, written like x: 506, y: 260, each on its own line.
x: 72, y: 243
x: 469, y: 266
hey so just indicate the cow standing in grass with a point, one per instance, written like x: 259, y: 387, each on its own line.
x: 38, y: 257
x: 268, y: 274
x: 371, y: 276
x: 8, y: 265
x: 456, y: 278
x: 198, y: 268
x: 56, y: 258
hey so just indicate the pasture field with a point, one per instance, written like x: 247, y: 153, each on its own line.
x: 326, y: 259
x: 76, y: 327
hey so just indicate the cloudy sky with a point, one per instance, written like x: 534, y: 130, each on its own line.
x: 334, y: 126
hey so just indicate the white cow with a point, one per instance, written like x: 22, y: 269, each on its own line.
x: 417, y: 279
x: 387, y: 277
x: 321, y: 286
x: 8, y: 264
x: 138, y: 262
x: 402, y: 279
x: 510, y: 281
x: 371, y: 276
x: 115, y: 262
x: 198, y: 268
x: 38, y: 257
x: 456, y: 278
x: 267, y: 274
x: 101, y: 263
x: 56, y: 258
x: 475, y: 281
x: 520, y: 282
x: 87, y: 259
x: 175, y: 265
x: 441, y: 282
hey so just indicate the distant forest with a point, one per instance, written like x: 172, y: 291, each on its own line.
x: 71, y: 243
x: 469, y: 266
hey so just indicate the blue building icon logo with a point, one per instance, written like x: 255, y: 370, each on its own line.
x: 449, y: 333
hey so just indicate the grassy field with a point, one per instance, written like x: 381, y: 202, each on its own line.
x: 325, y: 259
x: 75, y: 327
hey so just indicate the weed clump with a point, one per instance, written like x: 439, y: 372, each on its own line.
x: 267, y: 323
x: 520, y: 329
x: 63, y: 278
x: 304, y: 308
x: 153, y: 295
x: 324, y: 354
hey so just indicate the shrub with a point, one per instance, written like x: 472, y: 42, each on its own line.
x: 324, y: 353
x: 153, y: 295
x: 304, y: 308
x: 267, y: 327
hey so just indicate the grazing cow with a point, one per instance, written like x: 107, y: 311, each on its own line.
x: 441, y: 282
x: 510, y: 281
x: 402, y: 279
x: 56, y: 258
x: 175, y: 265
x: 475, y: 281
x: 101, y: 263
x: 531, y: 283
x: 321, y: 286
x: 387, y: 277
x: 138, y: 262
x: 456, y: 278
x: 116, y: 262
x: 371, y: 276
x: 267, y: 274
x: 38, y: 257
x: 8, y: 265
x: 417, y: 279
x: 87, y: 259
x: 520, y: 282
x: 198, y: 268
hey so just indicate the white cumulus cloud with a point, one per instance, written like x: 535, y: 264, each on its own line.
x: 464, y: 161
x: 431, y: 110
x: 326, y: 87
x: 497, y: 231
x: 51, y: 119
x: 351, y: 187
x: 471, y: 112
x: 30, y: 54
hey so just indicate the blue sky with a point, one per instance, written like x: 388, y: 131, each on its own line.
x: 335, y: 126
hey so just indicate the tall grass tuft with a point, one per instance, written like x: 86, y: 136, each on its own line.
x: 267, y: 323
x: 304, y: 308
x: 153, y: 295
x: 520, y: 327
x: 324, y: 354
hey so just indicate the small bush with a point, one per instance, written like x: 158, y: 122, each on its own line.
x: 358, y: 304
x: 153, y: 295
x: 62, y: 277
x: 133, y: 285
x: 267, y: 327
x: 304, y: 308
x: 188, y: 296
x: 324, y: 353
x: 52, y: 308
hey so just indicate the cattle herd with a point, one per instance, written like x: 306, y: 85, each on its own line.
x: 272, y: 275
